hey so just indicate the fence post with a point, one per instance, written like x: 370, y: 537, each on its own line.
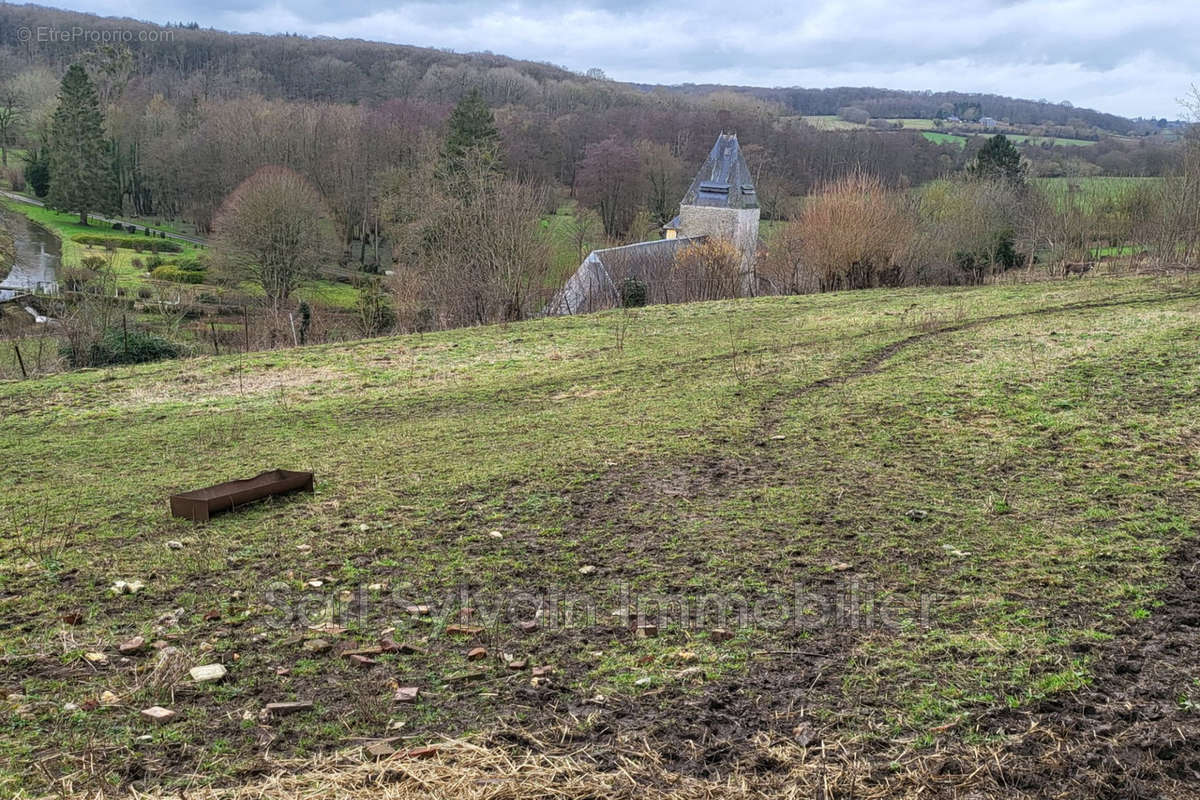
x: 246, y: 326
x: 20, y: 360
x: 125, y: 334
x: 213, y: 327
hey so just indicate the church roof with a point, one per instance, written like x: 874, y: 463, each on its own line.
x: 724, y: 181
x: 596, y: 284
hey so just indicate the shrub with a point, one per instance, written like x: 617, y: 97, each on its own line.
x: 116, y: 226
x: 194, y: 263
x: 176, y: 275
x: 154, y: 261
x: 75, y: 278
x: 143, y: 293
x: 853, y: 233
x: 117, y: 346
x: 707, y: 270
x: 633, y: 293
x: 968, y: 230
x: 136, y: 263
x: 129, y: 242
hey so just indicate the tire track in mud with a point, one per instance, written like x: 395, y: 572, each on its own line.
x: 875, y: 362
x: 707, y: 733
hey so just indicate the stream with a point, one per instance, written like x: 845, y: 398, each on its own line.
x: 37, y: 255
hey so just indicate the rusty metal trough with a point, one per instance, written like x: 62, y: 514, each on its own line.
x: 200, y: 504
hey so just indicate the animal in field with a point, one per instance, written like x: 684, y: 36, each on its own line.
x: 1077, y: 268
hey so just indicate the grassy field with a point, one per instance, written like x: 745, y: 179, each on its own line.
x: 1057, y: 141
x: 1092, y: 194
x: 915, y: 124
x: 939, y: 521
x: 945, y: 138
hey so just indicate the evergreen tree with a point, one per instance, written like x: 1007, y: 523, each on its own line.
x: 37, y: 170
x: 472, y: 145
x: 81, y: 177
x: 998, y: 159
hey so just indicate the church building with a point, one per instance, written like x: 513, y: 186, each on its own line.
x: 721, y: 202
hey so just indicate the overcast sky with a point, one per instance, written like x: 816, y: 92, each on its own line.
x: 1129, y: 57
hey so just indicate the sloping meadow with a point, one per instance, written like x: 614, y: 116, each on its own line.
x: 859, y: 538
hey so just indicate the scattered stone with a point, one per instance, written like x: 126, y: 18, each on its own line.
x: 643, y: 682
x: 719, y: 635
x: 528, y: 626
x: 107, y: 698
x: 406, y: 694
x: 686, y: 656
x: 380, y: 750
x: 779, y: 437
x: 159, y: 644
x: 207, y: 673
x: 463, y: 630
x: 690, y: 673
x: 587, y: 569
x: 804, y: 734
x: 174, y: 544
x: 476, y: 653
x: 417, y: 611
x: 168, y: 620
x: 647, y: 631
x: 132, y: 646
x: 839, y: 566
x: 954, y: 551
x: 96, y: 657
x: 144, y: 739
x: 362, y: 651
x: 127, y: 587
x: 158, y: 715
x: 329, y: 628
x: 283, y: 709
x: 542, y: 671
x: 496, y: 535
x: 362, y: 661
x: 407, y: 648
x: 282, y: 672
x: 317, y: 645
x: 917, y: 514
x: 517, y: 664
x: 364, y: 527
x: 304, y: 548
x: 420, y: 752
x: 316, y: 583
x: 375, y: 587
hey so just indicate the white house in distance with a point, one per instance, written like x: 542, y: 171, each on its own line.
x: 720, y: 202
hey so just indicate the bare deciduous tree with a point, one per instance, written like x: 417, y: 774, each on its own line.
x: 274, y: 230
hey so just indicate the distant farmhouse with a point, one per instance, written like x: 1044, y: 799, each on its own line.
x: 721, y: 202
